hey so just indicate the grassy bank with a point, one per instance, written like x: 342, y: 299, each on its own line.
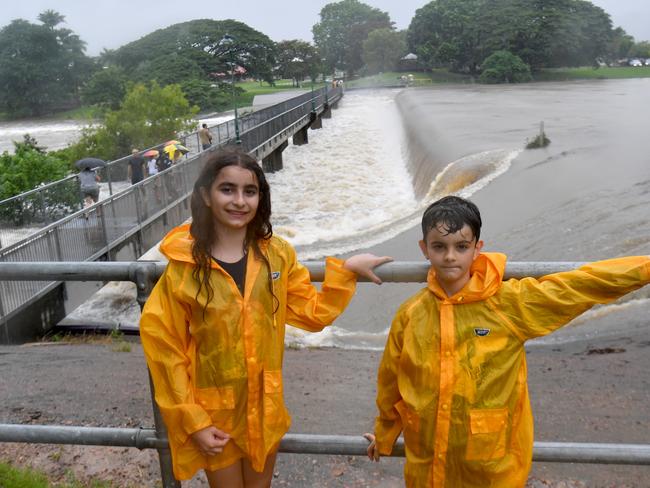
x: 439, y: 75
x: 11, y: 477
x: 589, y: 73
x: 253, y: 88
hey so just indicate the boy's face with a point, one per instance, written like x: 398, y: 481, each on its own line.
x: 451, y: 255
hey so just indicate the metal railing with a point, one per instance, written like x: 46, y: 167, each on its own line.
x: 90, y: 233
x: 48, y: 203
x: 144, y: 275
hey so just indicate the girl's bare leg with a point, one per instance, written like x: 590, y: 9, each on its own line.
x: 229, y: 477
x: 253, y: 479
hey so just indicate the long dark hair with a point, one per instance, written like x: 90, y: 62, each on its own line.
x: 202, y: 228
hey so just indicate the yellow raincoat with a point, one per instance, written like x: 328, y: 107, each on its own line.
x: 453, y: 374
x: 226, y: 371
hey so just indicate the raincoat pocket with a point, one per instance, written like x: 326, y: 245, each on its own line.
x: 487, y: 434
x: 219, y: 403
x: 274, y: 411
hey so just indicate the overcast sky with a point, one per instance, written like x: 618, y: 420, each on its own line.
x: 113, y: 23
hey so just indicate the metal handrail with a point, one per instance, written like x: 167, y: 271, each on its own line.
x: 394, y: 272
x: 342, y: 445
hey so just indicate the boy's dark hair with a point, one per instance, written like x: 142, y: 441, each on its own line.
x: 453, y: 213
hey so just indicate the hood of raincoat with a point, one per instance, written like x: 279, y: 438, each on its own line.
x: 486, y: 275
x: 177, y: 244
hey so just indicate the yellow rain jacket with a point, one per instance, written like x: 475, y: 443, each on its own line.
x: 453, y: 374
x: 226, y: 371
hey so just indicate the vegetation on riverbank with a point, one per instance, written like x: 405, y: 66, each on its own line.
x: 440, y: 75
x: 12, y: 477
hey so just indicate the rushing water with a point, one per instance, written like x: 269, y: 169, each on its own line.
x: 364, y: 179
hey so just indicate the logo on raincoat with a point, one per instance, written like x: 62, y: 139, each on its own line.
x: 481, y: 332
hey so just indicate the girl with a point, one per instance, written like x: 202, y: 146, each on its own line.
x: 213, y: 328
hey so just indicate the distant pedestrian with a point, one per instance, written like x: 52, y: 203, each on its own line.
x: 136, y: 169
x: 205, y: 137
x: 89, y: 185
x: 152, y: 166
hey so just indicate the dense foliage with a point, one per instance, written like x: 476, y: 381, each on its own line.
x: 460, y: 34
x: 296, y: 60
x: 28, y: 167
x: 383, y: 49
x: 149, y: 115
x: 504, y: 67
x: 205, y: 47
x: 106, y: 88
x: 41, y: 66
x: 341, y: 31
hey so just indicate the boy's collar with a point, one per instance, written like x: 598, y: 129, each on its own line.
x: 486, y: 275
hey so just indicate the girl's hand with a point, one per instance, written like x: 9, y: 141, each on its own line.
x: 363, y: 264
x: 210, y: 440
x: 373, y: 452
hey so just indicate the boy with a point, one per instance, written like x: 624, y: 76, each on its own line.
x: 453, y: 374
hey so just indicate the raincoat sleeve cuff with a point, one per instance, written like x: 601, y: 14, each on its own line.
x: 195, y: 418
x: 334, y: 268
x: 386, y: 433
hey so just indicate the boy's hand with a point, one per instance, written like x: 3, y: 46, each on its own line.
x: 363, y: 264
x: 210, y: 440
x: 373, y: 452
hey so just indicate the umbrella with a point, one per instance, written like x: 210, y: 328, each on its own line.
x: 90, y: 163
x: 151, y: 153
x: 172, y: 148
x: 173, y: 141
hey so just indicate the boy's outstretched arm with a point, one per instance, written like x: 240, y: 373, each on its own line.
x: 538, y: 307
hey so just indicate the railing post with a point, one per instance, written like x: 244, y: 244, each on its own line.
x: 142, y: 276
x: 110, y: 183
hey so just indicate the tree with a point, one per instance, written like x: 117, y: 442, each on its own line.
x: 148, y: 115
x: 341, y: 31
x: 41, y: 66
x: 543, y: 33
x: 444, y: 33
x: 504, y: 67
x: 383, y: 49
x: 620, y: 44
x: 106, y: 88
x: 210, y: 95
x: 202, y: 43
x: 640, y: 50
x: 28, y: 167
x: 296, y: 60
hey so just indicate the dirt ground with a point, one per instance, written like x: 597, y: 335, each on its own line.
x: 584, y: 391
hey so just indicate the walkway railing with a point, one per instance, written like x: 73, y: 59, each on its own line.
x: 93, y: 232
x: 144, y: 275
x: 26, y: 213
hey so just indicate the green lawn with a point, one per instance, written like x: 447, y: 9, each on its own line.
x: 11, y: 477
x: 253, y: 88
x: 439, y: 75
x: 589, y: 73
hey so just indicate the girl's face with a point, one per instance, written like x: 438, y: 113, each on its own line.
x: 233, y: 197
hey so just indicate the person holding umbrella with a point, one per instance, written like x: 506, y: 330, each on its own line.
x: 89, y: 179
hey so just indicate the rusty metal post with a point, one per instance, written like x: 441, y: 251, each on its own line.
x: 144, y: 277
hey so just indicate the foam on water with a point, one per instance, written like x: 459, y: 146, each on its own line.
x: 350, y: 188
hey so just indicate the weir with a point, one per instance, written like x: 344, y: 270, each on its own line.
x: 125, y: 225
